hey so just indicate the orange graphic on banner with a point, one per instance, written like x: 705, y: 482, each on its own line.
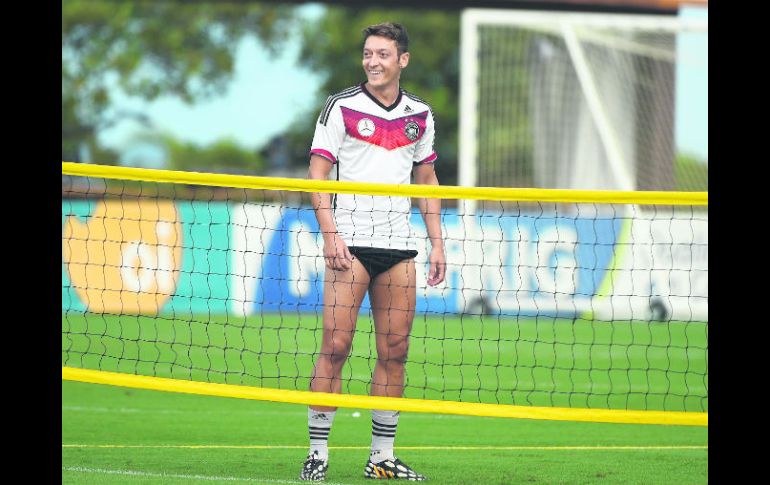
x: 126, y: 258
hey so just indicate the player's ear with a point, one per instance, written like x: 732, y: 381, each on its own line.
x: 403, y: 61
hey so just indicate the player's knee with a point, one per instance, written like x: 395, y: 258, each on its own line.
x: 339, y: 356
x: 397, y: 348
x: 337, y: 349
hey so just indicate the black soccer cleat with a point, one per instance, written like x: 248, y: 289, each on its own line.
x: 314, y: 469
x: 392, y: 470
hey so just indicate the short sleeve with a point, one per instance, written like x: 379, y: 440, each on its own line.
x: 424, y: 152
x: 329, y: 132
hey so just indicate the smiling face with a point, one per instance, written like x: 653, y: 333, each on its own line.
x: 381, y: 62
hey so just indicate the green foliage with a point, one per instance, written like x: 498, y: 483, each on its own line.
x: 222, y: 156
x: 333, y: 46
x: 691, y: 173
x: 150, y: 49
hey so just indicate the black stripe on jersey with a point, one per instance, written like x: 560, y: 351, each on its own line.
x: 346, y: 93
x: 420, y: 100
x: 416, y: 98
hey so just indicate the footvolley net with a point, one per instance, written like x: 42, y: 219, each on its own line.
x: 558, y: 304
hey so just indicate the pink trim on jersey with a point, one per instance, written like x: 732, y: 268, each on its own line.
x: 430, y: 159
x: 323, y: 153
x: 388, y: 134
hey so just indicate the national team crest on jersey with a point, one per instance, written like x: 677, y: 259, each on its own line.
x: 412, y: 130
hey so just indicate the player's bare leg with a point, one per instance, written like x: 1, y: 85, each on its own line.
x: 343, y: 293
x: 393, y: 296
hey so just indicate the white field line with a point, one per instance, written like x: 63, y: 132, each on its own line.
x: 417, y: 448
x: 212, y: 478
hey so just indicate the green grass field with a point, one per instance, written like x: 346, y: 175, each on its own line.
x: 543, y: 362
x: 113, y: 435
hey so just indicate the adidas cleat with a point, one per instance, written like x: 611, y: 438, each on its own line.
x: 391, y: 470
x: 314, y: 469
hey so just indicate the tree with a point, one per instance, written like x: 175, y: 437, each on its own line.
x: 333, y: 46
x: 224, y: 156
x: 691, y: 173
x: 150, y: 49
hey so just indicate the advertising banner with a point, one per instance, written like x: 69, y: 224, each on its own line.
x: 187, y: 258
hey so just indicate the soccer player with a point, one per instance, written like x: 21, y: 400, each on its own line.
x: 372, y: 132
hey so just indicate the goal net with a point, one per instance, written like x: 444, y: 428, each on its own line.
x: 579, y: 101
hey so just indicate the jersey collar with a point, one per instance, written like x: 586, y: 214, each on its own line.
x: 386, y: 108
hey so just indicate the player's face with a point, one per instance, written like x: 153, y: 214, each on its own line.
x: 381, y: 62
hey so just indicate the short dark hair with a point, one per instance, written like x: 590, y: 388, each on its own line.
x: 391, y: 31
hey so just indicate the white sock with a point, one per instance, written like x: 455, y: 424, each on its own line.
x: 319, y: 423
x: 383, y: 435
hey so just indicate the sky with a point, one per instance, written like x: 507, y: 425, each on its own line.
x: 262, y: 100
x: 267, y: 94
x: 692, y: 82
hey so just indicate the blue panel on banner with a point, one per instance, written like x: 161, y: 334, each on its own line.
x: 522, y: 265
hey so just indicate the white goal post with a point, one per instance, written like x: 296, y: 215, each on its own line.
x: 568, y: 100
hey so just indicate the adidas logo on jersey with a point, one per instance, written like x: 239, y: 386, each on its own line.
x: 408, y: 109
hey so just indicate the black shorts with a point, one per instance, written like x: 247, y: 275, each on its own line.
x: 377, y: 261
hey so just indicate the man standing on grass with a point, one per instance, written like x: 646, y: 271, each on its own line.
x: 372, y: 132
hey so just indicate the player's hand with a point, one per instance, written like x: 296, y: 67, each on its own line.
x: 336, y: 254
x: 437, y: 270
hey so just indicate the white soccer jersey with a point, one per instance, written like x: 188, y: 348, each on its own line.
x: 370, y: 142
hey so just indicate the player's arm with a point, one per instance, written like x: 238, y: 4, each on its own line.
x: 336, y: 253
x: 431, y: 213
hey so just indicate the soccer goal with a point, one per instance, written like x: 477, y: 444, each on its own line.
x: 566, y: 100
